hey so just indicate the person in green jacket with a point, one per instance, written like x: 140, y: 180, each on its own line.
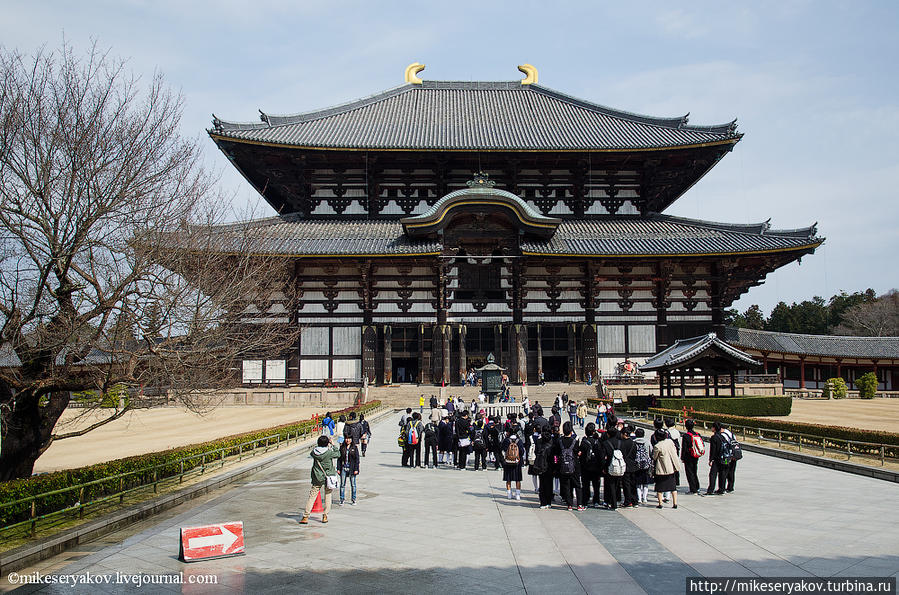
x: 323, y: 457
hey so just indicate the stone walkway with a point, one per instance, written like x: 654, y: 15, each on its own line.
x: 445, y: 530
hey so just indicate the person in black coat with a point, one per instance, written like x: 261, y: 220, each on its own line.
x: 612, y: 483
x: 348, y: 466
x: 628, y: 482
x: 591, y: 467
x: 717, y: 471
x: 493, y: 441
x: 568, y: 478
x: 686, y: 456
x: 463, y: 437
x: 444, y: 438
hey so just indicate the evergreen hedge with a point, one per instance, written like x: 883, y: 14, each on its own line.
x: 746, y: 406
x: 166, y: 463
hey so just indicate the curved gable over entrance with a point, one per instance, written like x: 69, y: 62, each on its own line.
x: 482, y: 207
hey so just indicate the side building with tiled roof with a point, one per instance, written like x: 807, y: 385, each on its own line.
x: 808, y: 361
x: 438, y: 222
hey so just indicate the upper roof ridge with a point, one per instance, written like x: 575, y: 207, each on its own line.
x: 274, y: 120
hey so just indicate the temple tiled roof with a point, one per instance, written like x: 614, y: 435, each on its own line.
x: 464, y: 116
x: 665, y: 234
x: 686, y: 350
x: 622, y: 236
x: 288, y: 235
x: 821, y: 345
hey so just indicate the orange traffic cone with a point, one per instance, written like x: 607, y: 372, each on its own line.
x: 317, y: 507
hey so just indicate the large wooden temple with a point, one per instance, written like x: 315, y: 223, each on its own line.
x: 437, y: 222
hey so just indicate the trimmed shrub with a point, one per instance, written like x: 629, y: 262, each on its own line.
x: 835, y: 388
x: 641, y: 402
x: 867, y: 385
x: 165, y: 462
x: 748, y: 406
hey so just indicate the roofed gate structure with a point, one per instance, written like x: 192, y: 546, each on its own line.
x: 436, y: 222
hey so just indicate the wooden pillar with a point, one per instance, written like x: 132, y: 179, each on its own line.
x: 661, y: 384
x: 463, y: 358
x: 668, y: 382
x: 764, y: 362
x: 706, y: 383
x: 498, y: 345
x: 588, y: 340
x: 733, y: 384
x: 539, y: 354
x: 801, y: 372
x: 369, y: 351
x: 572, y: 354
x: 520, y: 340
x: 839, y: 368
x: 716, y: 385
x: 424, y: 365
x: 683, y: 385
x: 388, y: 354
x: 445, y: 337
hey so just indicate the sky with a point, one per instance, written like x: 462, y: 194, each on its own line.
x: 814, y: 86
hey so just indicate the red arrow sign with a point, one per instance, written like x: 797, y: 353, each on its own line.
x: 211, y: 541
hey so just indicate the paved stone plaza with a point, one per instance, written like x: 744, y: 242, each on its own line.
x: 445, y: 530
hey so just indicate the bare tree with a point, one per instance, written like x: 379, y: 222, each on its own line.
x: 111, y: 267
x: 877, y: 318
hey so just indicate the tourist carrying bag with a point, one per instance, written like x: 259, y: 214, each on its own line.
x: 333, y: 482
x: 697, y: 446
x: 464, y: 442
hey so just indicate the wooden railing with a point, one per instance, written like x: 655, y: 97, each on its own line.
x: 814, y: 444
x: 170, y: 473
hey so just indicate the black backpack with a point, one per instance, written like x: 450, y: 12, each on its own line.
x: 478, y: 441
x: 730, y: 449
x: 430, y: 433
x: 566, y: 458
x: 589, y: 456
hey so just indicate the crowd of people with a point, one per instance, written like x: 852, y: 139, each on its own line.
x: 611, y: 464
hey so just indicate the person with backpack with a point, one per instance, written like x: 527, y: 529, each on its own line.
x: 430, y: 439
x: 463, y: 438
x: 590, y: 455
x: 366, y: 432
x: 643, y: 458
x: 729, y: 441
x: 348, y: 465
x: 556, y: 418
x: 614, y: 467
x: 479, y: 442
x: 717, y: 467
x: 353, y: 429
x: 572, y: 412
x: 512, y: 460
x: 323, y: 456
x: 413, y: 433
x: 665, y: 464
x: 691, y: 449
x: 565, y: 449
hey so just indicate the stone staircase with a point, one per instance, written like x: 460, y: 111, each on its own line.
x: 407, y: 395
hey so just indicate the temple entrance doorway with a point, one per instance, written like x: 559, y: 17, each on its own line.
x: 405, y: 370
x: 555, y: 368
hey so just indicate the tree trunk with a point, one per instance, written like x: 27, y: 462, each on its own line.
x: 26, y: 429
